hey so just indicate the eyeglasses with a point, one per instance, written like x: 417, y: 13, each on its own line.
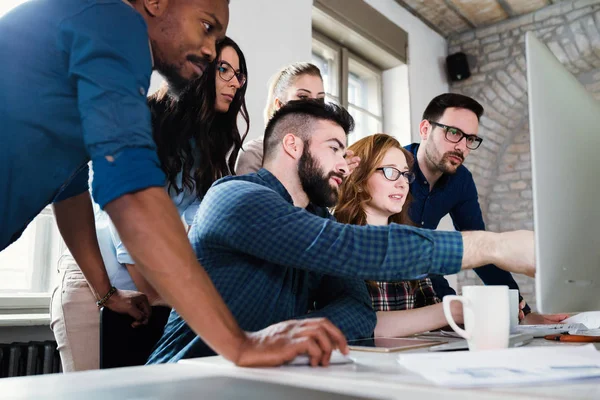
x: 226, y: 72
x: 393, y: 174
x: 455, y: 135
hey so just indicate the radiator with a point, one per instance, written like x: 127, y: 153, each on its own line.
x: 33, y: 358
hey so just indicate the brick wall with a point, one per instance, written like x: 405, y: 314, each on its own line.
x: 502, y: 165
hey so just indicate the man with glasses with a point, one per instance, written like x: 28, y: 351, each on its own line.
x: 443, y: 185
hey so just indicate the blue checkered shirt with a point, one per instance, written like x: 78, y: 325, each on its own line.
x: 272, y: 261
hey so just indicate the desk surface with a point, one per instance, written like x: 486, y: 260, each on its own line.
x: 373, y: 375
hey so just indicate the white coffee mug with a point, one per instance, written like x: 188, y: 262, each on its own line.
x: 486, y: 316
x: 513, y: 298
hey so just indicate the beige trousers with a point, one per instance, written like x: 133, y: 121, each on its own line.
x: 75, y: 319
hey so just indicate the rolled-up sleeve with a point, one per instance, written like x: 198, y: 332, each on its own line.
x: 110, y: 63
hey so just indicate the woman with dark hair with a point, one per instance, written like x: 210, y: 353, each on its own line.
x: 197, y: 138
x: 377, y: 193
x: 197, y: 141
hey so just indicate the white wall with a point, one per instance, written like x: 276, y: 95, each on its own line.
x: 271, y: 34
x: 396, y: 104
x: 427, y: 51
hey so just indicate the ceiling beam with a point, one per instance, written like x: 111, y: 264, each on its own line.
x: 461, y: 15
x: 425, y: 21
x: 507, y: 8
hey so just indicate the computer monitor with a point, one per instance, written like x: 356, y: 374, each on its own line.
x: 564, y: 121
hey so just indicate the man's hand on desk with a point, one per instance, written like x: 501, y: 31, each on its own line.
x: 543, y: 319
x: 282, y: 342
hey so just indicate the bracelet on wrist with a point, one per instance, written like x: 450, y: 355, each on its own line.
x: 100, y: 303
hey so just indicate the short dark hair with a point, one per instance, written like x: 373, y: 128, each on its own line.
x: 438, y: 105
x: 298, y: 117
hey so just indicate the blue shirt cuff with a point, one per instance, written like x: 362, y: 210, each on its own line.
x: 128, y: 171
x: 447, y: 253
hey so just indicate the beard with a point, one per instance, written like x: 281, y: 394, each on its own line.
x: 170, y: 72
x: 314, y: 183
x: 443, y: 162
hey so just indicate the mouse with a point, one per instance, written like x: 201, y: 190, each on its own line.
x: 336, y: 358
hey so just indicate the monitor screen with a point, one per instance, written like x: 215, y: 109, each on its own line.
x: 564, y: 123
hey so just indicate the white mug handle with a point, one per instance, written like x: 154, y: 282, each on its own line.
x: 448, y: 314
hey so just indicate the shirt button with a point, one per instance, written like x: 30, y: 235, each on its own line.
x: 425, y: 182
x: 422, y: 223
x: 142, y: 91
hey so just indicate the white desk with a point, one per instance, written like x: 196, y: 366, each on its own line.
x: 379, y: 374
x: 373, y: 375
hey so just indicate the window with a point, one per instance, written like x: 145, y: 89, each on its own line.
x: 7, y: 5
x: 28, y: 266
x: 352, y: 82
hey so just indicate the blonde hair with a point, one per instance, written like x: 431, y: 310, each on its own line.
x: 283, y: 79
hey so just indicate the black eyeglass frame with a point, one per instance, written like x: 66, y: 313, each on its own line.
x: 240, y: 76
x: 409, y: 176
x: 466, y: 136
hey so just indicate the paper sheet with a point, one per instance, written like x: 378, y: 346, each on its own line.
x: 524, y: 365
x: 590, y: 319
x: 543, y: 330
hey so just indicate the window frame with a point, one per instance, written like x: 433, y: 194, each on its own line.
x: 47, y: 246
x: 344, y: 57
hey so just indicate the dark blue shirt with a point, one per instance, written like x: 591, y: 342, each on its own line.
x: 456, y: 195
x: 73, y: 82
x: 272, y: 261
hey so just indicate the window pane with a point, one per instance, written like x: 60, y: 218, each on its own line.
x: 16, y: 263
x: 364, y: 86
x: 7, y: 5
x: 327, y: 60
x: 357, y: 91
x: 365, y: 125
x: 29, y: 264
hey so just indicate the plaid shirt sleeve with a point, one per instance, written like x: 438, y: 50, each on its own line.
x: 255, y: 220
x: 346, y: 303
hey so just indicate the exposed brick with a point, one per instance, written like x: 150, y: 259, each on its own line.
x: 500, y: 188
x: 558, y: 52
x: 553, y: 22
x: 490, y: 39
x: 573, y: 15
x: 520, y: 185
x: 491, y: 47
x: 518, y: 148
x: 547, y: 13
x: 584, y: 3
x: 513, y: 176
x: 523, y: 166
x: 491, y: 66
x: 518, y: 216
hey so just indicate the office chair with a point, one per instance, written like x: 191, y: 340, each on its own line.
x: 124, y: 346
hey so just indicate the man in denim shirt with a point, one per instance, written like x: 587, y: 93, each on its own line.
x: 275, y: 253
x: 444, y: 186
x: 73, y: 82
